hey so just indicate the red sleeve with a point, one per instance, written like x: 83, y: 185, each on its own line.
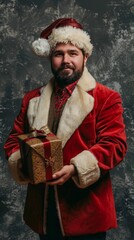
x: 20, y: 122
x: 110, y: 147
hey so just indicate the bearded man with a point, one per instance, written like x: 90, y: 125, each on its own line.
x: 78, y: 202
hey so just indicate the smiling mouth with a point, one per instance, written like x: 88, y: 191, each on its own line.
x: 67, y: 69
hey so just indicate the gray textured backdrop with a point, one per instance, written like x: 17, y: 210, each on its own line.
x: 109, y: 22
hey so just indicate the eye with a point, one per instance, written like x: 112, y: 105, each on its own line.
x: 73, y: 53
x: 57, y: 54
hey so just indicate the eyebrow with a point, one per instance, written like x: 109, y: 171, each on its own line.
x: 69, y: 51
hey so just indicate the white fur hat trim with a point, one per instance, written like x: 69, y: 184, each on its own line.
x: 76, y: 36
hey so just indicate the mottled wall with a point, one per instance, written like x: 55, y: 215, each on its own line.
x: 109, y: 22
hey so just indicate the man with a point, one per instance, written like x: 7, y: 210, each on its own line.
x: 87, y: 117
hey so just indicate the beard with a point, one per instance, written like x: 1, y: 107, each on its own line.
x: 63, y: 78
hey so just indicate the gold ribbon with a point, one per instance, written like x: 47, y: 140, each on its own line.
x: 42, y: 132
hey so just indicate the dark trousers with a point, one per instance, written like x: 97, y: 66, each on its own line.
x: 53, y: 226
x: 99, y: 236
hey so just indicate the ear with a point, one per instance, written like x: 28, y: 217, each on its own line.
x: 86, y: 56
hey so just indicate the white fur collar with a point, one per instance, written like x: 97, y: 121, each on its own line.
x: 78, y: 106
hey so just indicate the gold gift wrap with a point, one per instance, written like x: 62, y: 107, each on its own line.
x: 41, y: 154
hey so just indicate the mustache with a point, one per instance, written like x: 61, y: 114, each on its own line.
x: 65, y: 66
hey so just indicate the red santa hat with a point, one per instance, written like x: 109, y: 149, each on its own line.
x: 63, y: 30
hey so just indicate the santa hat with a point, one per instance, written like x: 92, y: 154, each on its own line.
x: 63, y: 30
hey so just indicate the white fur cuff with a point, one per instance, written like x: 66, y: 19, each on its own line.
x: 88, y: 171
x: 15, y: 168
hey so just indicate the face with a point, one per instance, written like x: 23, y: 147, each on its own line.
x: 67, y: 63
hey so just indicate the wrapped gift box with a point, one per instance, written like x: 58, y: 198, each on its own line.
x: 41, y: 154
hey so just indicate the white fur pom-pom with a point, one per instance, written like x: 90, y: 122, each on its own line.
x: 41, y: 47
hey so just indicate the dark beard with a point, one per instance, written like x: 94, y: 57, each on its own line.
x: 64, y: 80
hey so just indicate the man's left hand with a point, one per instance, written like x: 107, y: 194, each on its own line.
x: 63, y: 175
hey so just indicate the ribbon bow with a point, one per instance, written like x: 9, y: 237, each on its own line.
x: 43, y: 132
x: 50, y: 161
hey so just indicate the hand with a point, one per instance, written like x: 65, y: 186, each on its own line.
x: 63, y: 175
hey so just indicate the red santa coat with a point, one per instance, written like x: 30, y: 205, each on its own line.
x: 93, y: 136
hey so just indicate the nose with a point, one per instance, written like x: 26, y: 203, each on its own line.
x: 66, y: 58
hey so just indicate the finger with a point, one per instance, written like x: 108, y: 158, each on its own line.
x: 58, y: 174
x: 58, y: 181
x: 61, y: 173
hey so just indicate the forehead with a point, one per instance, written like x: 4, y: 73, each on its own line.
x: 66, y: 47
